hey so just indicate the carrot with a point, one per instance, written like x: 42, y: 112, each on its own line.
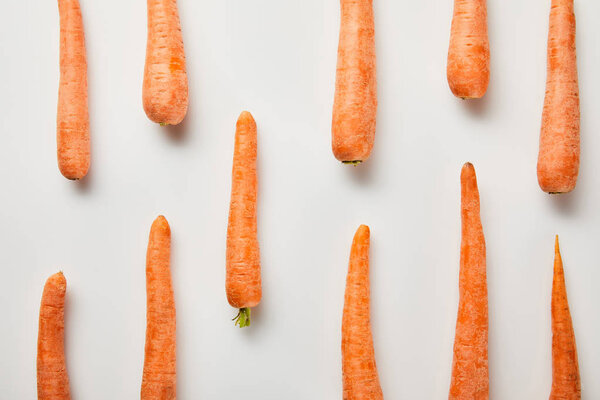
x: 468, y: 68
x: 358, y: 355
x: 72, y: 119
x: 470, y: 364
x: 159, y: 376
x: 355, y: 100
x: 243, y: 283
x: 565, y: 369
x: 558, y: 159
x: 52, y: 377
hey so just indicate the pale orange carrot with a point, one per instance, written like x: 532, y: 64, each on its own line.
x: 165, y: 90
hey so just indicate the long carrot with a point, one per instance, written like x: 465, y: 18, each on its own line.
x: 355, y: 101
x: 243, y: 283
x: 565, y: 368
x: 52, y: 378
x: 470, y: 364
x: 359, y: 370
x: 159, y: 376
x: 165, y: 90
x: 468, y: 68
x: 558, y: 159
x: 72, y: 119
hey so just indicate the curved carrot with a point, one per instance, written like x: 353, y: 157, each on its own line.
x: 72, y: 119
x: 470, y: 364
x: 565, y: 368
x: 468, y: 67
x: 358, y: 355
x: 355, y: 101
x: 558, y: 159
x: 165, y: 90
x: 159, y: 377
x: 243, y: 283
x: 52, y: 378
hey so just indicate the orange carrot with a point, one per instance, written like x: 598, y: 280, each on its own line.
x: 565, y: 369
x: 558, y: 159
x: 72, y: 120
x: 468, y: 66
x: 358, y: 355
x: 243, y: 283
x: 355, y: 101
x: 52, y: 378
x: 470, y: 364
x: 159, y: 377
x: 165, y: 90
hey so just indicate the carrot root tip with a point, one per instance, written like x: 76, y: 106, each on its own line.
x: 242, y: 319
x: 355, y: 162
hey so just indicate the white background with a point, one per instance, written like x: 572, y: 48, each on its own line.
x: 277, y: 59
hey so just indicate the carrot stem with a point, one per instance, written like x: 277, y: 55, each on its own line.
x: 355, y: 162
x: 242, y: 319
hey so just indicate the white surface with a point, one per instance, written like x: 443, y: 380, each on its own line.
x: 277, y: 59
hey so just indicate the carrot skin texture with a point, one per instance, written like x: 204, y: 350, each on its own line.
x: 165, y: 89
x: 159, y: 376
x: 470, y: 363
x: 72, y: 119
x: 558, y: 159
x: 355, y: 100
x: 52, y: 377
x: 468, y: 68
x: 359, y: 369
x: 565, y: 367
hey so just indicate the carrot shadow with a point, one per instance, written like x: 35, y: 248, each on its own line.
x: 178, y: 133
x: 477, y: 107
x: 361, y: 173
x: 565, y: 203
x: 83, y: 185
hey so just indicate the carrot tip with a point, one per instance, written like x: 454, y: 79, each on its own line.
x: 355, y: 162
x: 242, y: 319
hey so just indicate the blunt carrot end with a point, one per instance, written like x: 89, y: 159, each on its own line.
x: 242, y: 319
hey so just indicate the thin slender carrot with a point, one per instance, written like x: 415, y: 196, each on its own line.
x: 72, y: 119
x: 468, y: 66
x: 470, y: 364
x: 565, y: 368
x: 52, y: 377
x: 159, y: 377
x: 355, y: 101
x: 359, y: 369
x: 243, y: 283
x: 165, y: 90
x: 558, y: 159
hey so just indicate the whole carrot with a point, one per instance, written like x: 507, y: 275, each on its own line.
x: 159, y: 377
x: 468, y: 66
x: 52, y: 378
x: 243, y: 283
x: 72, y: 119
x: 355, y: 101
x: 165, y: 90
x: 565, y: 368
x: 558, y: 159
x: 470, y: 364
x: 358, y: 355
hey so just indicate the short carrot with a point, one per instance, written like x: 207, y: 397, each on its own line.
x: 165, y: 89
x: 159, y: 376
x: 72, y: 119
x: 470, y: 364
x: 355, y: 100
x: 558, y: 158
x: 359, y: 370
x: 468, y: 68
x: 243, y: 284
x: 565, y: 368
x: 52, y: 377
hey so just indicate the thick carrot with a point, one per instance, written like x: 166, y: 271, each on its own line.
x: 468, y: 68
x: 558, y: 159
x: 355, y: 101
x: 565, y: 368
x: 159, y: 377
x: 52, y: 378
x: 470, y: 364
x: 165, y: 90
x: 243, y: 283
x: 72, y: 119
x: 358, y: 355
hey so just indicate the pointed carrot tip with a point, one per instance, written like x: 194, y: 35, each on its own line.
x: 160, y: 222
x: 556, y: 245
x: 363, y: 230
x: 245, y: 115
